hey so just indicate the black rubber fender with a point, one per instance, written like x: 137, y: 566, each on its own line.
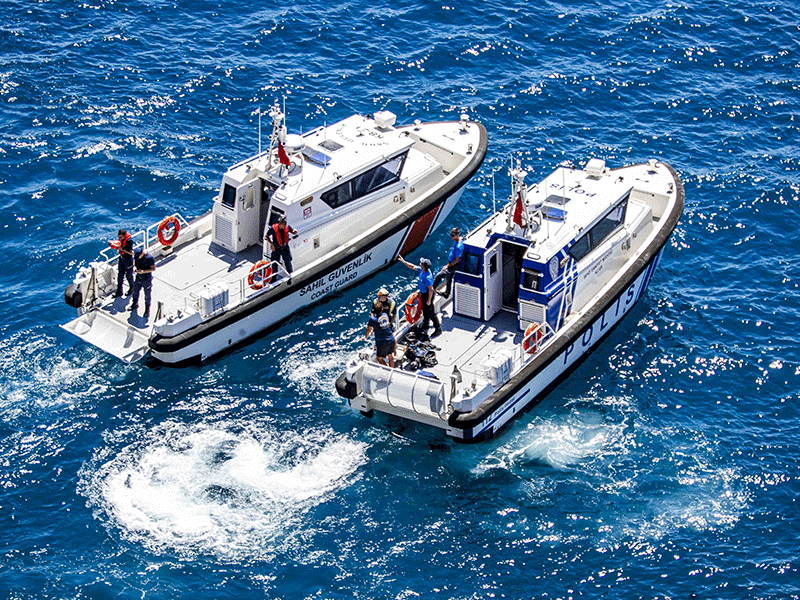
x: 346, y: 389
x: 73, y: 296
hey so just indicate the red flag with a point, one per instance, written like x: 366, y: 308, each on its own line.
x: 282, y: 156
x: 518, y: 210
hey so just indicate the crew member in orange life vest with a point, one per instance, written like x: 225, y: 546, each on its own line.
x: 125, y: 263
x: 278, y: 237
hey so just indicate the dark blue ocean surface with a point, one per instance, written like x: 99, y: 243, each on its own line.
x: 665, y: 467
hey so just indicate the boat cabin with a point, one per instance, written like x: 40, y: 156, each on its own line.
x: 351, y: 169
x: 550, y: 265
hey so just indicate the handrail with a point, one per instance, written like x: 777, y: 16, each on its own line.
x: 241, y: 287
x: 277, y: 269
x: 524, y: 356
x: 178, y: 216
x: 145, y: 238
x: 115, y: 255
x: 255, y: 157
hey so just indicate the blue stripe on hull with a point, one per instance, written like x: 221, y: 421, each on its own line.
x: 562, y: 364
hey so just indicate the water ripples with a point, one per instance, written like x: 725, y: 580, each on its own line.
x: 664, y: 466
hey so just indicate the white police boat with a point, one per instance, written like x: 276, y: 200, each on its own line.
x: 541, y: 282
x: 358, y: 193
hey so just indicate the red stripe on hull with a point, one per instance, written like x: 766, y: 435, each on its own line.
x: 419, y: 230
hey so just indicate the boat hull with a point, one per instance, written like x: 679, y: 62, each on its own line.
x: 528, y: 386
x: 535, y: 381
x: 272, y: 309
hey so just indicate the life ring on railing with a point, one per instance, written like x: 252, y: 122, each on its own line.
x: 413, y: 308
x: 533, y: 335
x: 169, y: 222
x: 262, y: 268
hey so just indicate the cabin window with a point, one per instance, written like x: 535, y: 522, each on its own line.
x: 610, y: 222
x: 338, y: 196
x: 493, y: 264
x: 470, y: 263
x: 378, y: 177
x: 605, y: 227
x: 365, y: 183
x: 531, y: 279
x: 228, y: 195
x: 267, y: 190
x: 582, y: 247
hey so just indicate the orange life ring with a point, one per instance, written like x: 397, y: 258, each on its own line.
x: 413, y: 307
x: 164, y: 226
x: 533, y: 335
x: 262, y: 268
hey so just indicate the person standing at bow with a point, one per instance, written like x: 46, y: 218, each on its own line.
x: 278, y: 237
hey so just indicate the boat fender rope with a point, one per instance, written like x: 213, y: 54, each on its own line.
x: 413, y: 307
x: 166, y: 224
x: 533, y: 336
x: 264, y: 270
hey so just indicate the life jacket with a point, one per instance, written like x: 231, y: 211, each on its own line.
x: 276, y: 228
x: 124, y: 241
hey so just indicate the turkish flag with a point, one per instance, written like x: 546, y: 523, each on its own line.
x: 282, y: 156
x: 518, y: 209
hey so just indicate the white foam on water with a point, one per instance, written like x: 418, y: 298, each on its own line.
x: 219, y: 490
x: 35, y: 371
x: 562, y: 441
x: 668, y: 479
x: 314, y: 371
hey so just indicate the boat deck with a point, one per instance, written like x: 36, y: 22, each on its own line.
x: 184, y: 272
x: 466, y: 342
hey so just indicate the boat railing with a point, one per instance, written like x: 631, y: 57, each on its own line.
x: 251, y: 159
x: 238, y: 290
x: 142, y: 238
x: 279, y: 276
x: 111, y: 255
x: 535, y: 341
x: 148, y: 235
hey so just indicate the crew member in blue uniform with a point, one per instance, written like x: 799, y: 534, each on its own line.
x: 449, y: 270
x: 144, y: 264
x: 124, y: 245
x: 278, y: 237
x: 385, y: 344
x: 426, y: 294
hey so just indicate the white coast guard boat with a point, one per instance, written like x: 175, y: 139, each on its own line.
x: 540, y: 284
x: 358, y: 192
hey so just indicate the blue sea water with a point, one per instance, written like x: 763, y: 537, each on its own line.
x: 666, y: 466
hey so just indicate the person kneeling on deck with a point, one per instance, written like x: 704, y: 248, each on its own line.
x: 389, y: 305
x: 426, y: 294
x: 384, y: 338
x: 144, y: 265
x: 278, y: 237
x: 449, y: 270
